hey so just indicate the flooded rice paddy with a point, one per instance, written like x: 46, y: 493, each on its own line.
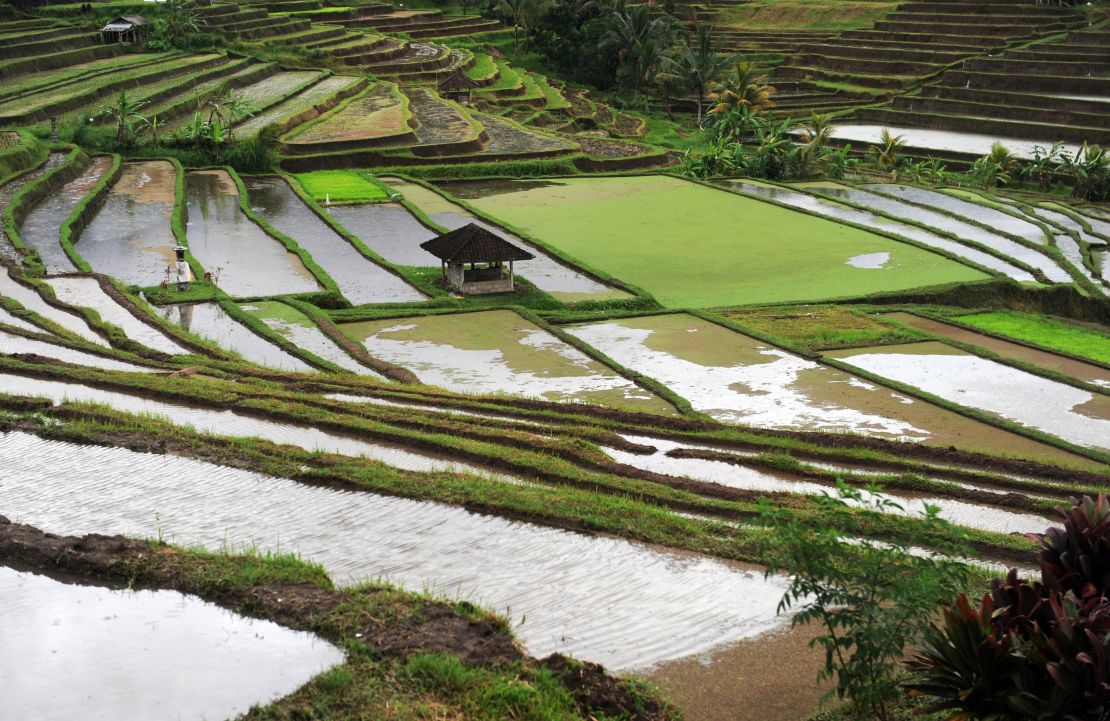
x: 87, y: 292
x: 991, y: 217
x: 77, y: 651
x: 303, y: 333
x: 545, y: 272
x: 601, y: 599
x: 230, y: 423
x: 1062, y: 364
x: 389, y: 230
x: 957, y: 227
x: 42, y: 227
x: 360, y: 280
x: 8, y: 191
x: 1062, y: 410
x: 229, y: 245
x: 16, y: 322
x: 130, y: 237
x: 737, y: 379
x: 972, y: 515
x: 827, y: 208
x: 209, y: 320
x: 972, y: 143
x: 498, y: 352
x: 31, y: 300
x: 11, y: 344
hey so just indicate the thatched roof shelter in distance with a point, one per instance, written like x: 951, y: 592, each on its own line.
x: 484, y: 251
x: 127, y: 29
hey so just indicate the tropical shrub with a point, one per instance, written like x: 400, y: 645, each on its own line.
x: 873, y: 598
x: 1031, y: 650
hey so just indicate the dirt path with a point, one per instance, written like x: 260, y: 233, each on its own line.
x: 768, y: 678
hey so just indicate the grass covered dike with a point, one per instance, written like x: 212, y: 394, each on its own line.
x: 1083, y: 342
x: 693, y: 246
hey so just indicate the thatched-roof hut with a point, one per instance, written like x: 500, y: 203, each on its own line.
x: 126, y: 29
x: 484, y: 252
x: 457, y: 86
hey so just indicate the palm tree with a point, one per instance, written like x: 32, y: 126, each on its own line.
x: 1090, y: 171
x: 533, y: 13
x: 886, y: 152
x: 154, y: 124
x: 182, y: 17
x: 640, y: 41
x: 124, y: 113
x: 698, y: 65
x: 235, y: 108
x: 745, y: 88
x: 817, y: 131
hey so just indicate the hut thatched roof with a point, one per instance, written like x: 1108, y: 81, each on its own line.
x: 474, y: 244
x: 455, y: 82
x: 125, y: 22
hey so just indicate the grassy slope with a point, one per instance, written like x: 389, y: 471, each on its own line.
x: 804, y: 14
x: 1044, y: 332
x: 692, y: 246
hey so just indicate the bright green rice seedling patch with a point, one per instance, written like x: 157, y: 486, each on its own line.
x: 693, y: 246
x: 343, y: 186
x: 1046, y: 332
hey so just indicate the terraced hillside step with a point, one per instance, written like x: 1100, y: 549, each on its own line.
x: 274, y: 26
x: 929, y: 55
x: 35, y: 34
x: 291, y: 5
x: 1061, y: 52
x: 306, y: 105
x: 458, y: 59
x: 808, y: 73
x: 397, y: 21
x: 984, y: 37
x: 1039, y: 67
x: 376, y: 54
x: 1034, y: 83
x: 442, y: 128
x: 987, y: 125
x: 10, y: 50
x: 896, y: 45
x: 1002, y: 17
x: 1090, y: 37
x: 460, y: 27
x: 983, y: 8
x: 1009, y: 30
x: 317, y: 32
x: 25, y: 66
x: 1034, y: 111
x: 236, y: 75
x: 231, y: 19
x: 418, y: 58
x: 1093, y: 105
x: 863, y: 66
x: 66, y: 97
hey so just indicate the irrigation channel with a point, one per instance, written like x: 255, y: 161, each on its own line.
x: 42, y: 227
x: 75, y: 651
x: 601, y: 599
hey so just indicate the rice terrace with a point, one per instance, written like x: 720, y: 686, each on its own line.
x: 555, y: 360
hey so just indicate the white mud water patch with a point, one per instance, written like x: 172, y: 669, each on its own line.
x: 11, y: 344
x: 304, y: 334
x: 87, y: 292
x: 230, y: 423
x: 93, y: 653
x: 875, y: 261
x: 1062, y: 410
x: 601, y: 599
x: 31, y: 300
x: 208, y: 320
x: 732, y: 475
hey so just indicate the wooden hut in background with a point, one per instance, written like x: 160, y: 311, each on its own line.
x: 458, y: 87
x: 485, y: 253
x: 126, y: 29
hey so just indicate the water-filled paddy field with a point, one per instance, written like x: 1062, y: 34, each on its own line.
x: 498, y: 352
x: 304, y: 334
x: 228, y: 244
x: 1067, y: 412
x: 738, y: 379
x: 695, y: 246
x: 971, y: 143
x: 210, y: 321
x: 602, y: 599
x: 79, y: 651
x: 561, y: 281
x: 130, y: 237
x: 360, y: 280
x: 86, y: 291
x: 41, y: 228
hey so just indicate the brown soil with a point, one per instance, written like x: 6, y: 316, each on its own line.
x: 767, y: 678
x: 595, y: 690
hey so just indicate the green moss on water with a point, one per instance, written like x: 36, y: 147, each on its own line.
x: 693, y: 246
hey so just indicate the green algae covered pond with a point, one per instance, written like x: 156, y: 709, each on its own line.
x: 498, y: 352
x: 694, y: 246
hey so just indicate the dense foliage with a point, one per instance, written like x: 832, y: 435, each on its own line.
x: 1037, y: 650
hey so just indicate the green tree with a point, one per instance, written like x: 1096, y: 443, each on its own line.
x: 744, y: 88
x: 889, y: 149
x: 125, y: 114
x: 182, y: 18
x: 514, y: 11
x: 640, y: 41
x: 697, y: 65
x: 872, y: 598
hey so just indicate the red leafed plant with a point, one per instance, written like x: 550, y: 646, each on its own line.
x: 1030, y: 650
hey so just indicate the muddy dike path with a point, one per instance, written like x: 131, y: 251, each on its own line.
x: 392, y: 628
